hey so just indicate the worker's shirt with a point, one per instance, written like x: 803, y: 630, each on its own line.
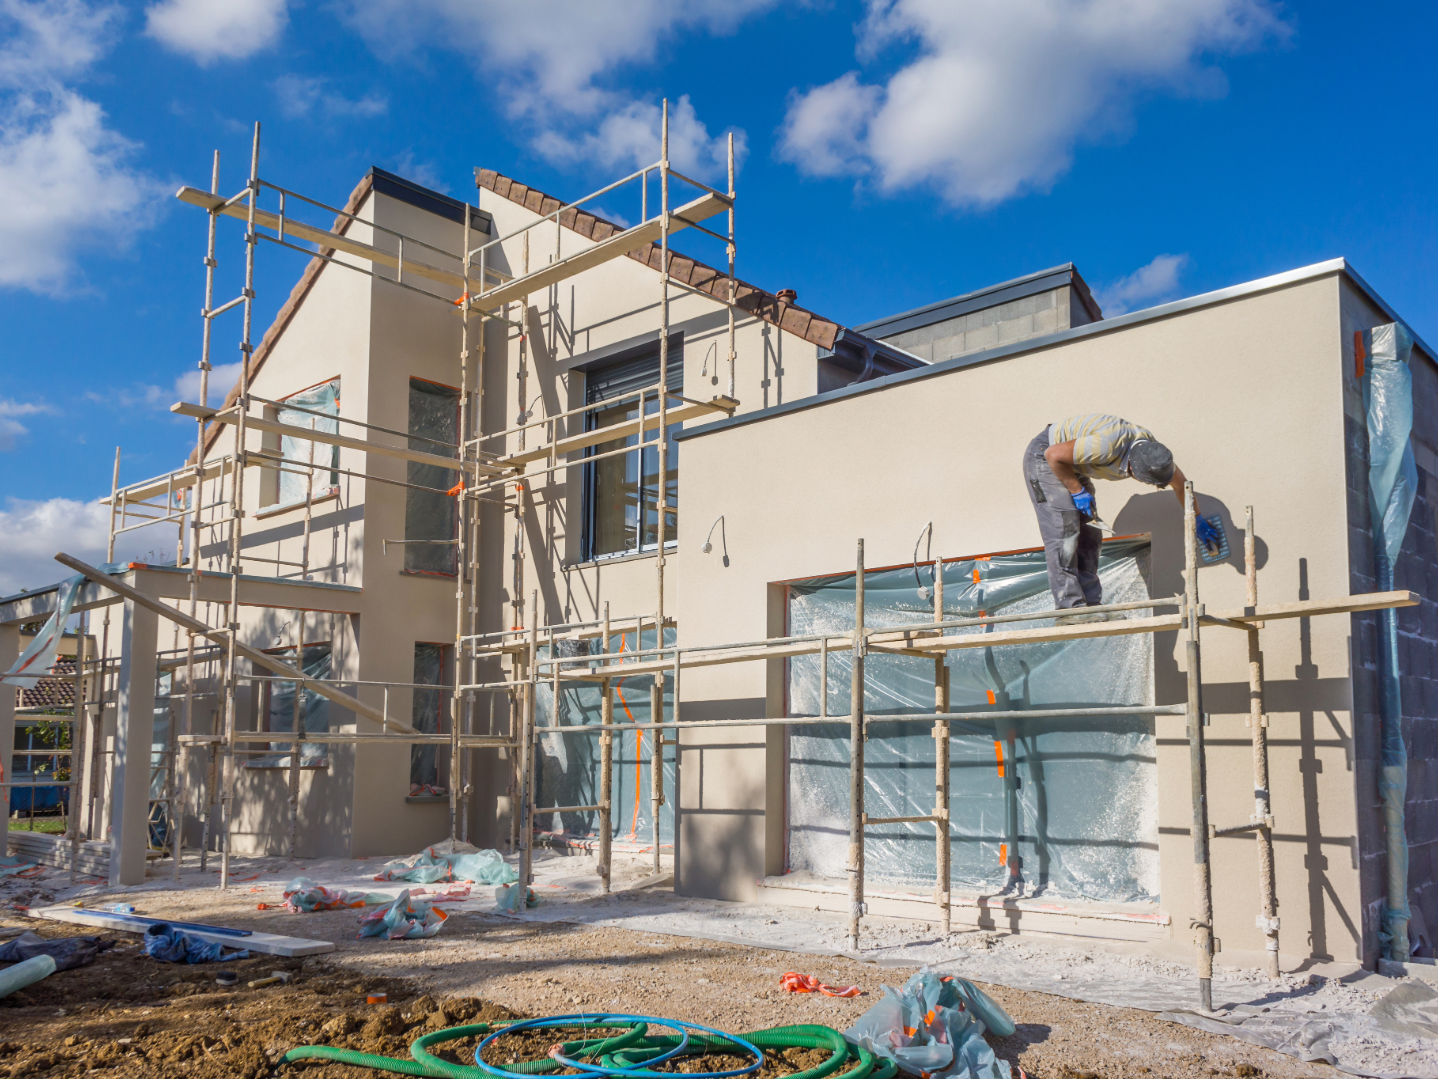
x: 1101, y: 443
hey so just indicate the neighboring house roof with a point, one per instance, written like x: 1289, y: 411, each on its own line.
x: 1004, y: 292
x: 1091, y: 330
x: 766, y: 305
x: 56, y: 692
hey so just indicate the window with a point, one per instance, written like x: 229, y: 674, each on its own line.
x: 622, y: 491
x: 277, y: 710
x: 429, y: 764
x: 288, y: 487
x: 429, y: 516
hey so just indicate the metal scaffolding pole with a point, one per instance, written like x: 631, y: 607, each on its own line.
x: 1258, y: 720
x: 1198, y: 779
x: 943, y: 852
x: 857, y: 734
x: 606, y: 767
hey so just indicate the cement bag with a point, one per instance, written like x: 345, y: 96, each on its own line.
x: 304, y: 896
x: 512, y: 898
x: 483, y: 867
x: 404, y: 919
x: 933, y: 1027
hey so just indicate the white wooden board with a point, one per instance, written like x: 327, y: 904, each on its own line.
x: 268, y: 943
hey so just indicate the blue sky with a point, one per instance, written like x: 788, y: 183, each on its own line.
x: 894, y: 153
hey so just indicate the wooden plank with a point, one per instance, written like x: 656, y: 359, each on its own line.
x: 184, y: 408
x: 269, y: 662
x: 268, y: 943
x: 680, y: 414
x: 617, y: 246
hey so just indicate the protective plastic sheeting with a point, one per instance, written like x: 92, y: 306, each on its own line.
x: 1075, y: 799
x: 314, y: 708
x: 568, y: 764
x: 1392, y: 487
x: 326, y: 399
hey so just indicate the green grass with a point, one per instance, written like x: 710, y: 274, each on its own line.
x: 49, y: 825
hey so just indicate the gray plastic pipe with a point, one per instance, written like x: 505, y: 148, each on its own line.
x: 26, y: 973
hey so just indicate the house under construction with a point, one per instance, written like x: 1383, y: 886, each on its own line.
x: 432, y: 579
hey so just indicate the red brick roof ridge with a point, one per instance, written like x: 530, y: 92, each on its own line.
x: 766, y: 305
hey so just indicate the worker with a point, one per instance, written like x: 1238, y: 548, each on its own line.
x: 1060, y: 465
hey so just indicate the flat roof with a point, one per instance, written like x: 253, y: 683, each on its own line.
x: 1093, y: 329
x: 1004, y: 292
x: 397, y: 187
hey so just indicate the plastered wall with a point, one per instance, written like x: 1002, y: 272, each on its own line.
x: 1247, y: 393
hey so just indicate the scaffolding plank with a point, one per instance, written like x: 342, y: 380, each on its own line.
x: 254, y: 655
x: 617, y: 246
x: 184, y: 408
x: 184, y: 479
x: 1368, y: 601
x: 679, y: 414
x: 334, y: 240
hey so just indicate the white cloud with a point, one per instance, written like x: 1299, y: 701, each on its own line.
x: 12, y: 429
x: 1002, y: 91
x: 302, y: 96
x: 67, y: 181
x: 210, y: 30
x: 31, y: 533
x: 424, y: 173
x: 1150, y: 284
x: 223, y: 377
x: 549, y: 59
x: 629, y: 138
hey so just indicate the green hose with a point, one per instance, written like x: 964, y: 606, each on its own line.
x: 427, y: 1065
x: 632, y: 1047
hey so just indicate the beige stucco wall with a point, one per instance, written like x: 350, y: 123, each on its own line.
x: 1247, y: 394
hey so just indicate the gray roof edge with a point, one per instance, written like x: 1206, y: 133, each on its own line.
x: 916, y: 316
x: 1093, y: 329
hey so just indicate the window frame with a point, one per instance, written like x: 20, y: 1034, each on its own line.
x: 590, y: 475
x: 405, y: 570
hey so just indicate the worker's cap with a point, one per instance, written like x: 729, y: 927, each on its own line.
x: 1150, y: 462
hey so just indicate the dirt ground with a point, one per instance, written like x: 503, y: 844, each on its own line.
x: 127, y: 1015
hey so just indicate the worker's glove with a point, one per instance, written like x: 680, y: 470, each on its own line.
x: 1207, y: 535
x: 1084, y: 503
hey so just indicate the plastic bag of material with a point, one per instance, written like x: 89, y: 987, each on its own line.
x: 432, y: 864
x: 404, y: 919
x: 169, y: 945
x: 511, y: 897
x: 68, y: 952
x: 303, y: 896
x: 935, y: 1026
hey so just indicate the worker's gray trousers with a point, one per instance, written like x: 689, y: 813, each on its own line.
x: 1070, y: 544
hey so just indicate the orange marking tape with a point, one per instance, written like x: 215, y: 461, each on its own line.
x: 999, y: 753
x: 807, y: 983
x: 992, y: 700
x: 1003, y: 854
x: 456, y: 488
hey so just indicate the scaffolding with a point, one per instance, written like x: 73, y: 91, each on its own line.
x: 207, y: 496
